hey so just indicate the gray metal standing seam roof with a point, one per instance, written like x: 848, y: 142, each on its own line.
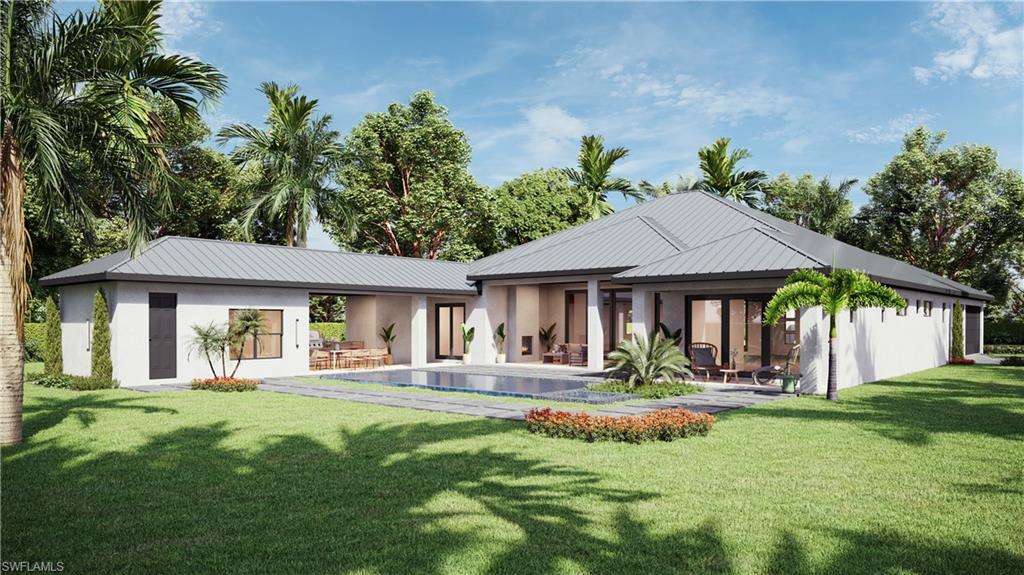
x: 679, y: 237
x: 190, y: 260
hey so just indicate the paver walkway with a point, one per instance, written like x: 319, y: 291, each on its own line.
x: 713, y: 399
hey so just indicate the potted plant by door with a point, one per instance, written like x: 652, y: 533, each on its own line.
x: 468, y: 333
x: 499, y: 342
x: 388, y: 335
x: 790, y: 380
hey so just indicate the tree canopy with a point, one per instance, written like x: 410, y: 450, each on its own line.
x: 720, y: 173
x: 406, y: 179
x: 953, y: 211
x: 814, y: 204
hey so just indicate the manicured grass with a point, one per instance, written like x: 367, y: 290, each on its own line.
x: 922, y: 474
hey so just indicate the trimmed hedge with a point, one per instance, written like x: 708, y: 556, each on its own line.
x: 334, y: 331
x: 102, y: 366
x: 72, y: 382
x: 656, y: 391
x: 1004, y: 349
x: 1004, y: 331
x: 956, y: 350
x: 35, y: 341
x: 1013, y: 361
x: 225, y: 384
x: 660, y: 425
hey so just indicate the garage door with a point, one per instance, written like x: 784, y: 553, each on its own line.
x: 972, y: 328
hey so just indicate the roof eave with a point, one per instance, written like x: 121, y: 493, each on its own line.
x: 547, y: 274
x: 470, y: 290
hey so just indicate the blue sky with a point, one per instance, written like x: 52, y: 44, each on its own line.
x: 822, y: 88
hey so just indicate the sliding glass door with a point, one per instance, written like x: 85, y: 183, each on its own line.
x: 448, y: 320
x: 734, y: 326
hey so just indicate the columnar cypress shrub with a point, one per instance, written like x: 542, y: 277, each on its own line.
x: 101, y: 365
x: 956, y: 349
x: 53, y: 358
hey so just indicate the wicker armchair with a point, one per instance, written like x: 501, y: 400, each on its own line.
x: 704, y: 357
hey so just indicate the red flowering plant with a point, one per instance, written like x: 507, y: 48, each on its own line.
x: 659, y: 425
x: 960, y: 361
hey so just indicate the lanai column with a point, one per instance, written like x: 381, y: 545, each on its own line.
x: 595, y: 327
x: 418, y: 331
x: 643, y: 312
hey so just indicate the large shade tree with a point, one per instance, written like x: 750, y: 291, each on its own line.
x: 952, y: 211
x: 593, y: 177
x: 80, y: 86
x: 407, y: 183
x: 721, y: 174
x: 841, y: 290
x: 296, y: 156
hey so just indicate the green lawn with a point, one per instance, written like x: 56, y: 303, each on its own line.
x: 922, y: 474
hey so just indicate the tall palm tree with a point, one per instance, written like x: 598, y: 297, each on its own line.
x: 298, y: 156
x: 80, y: 87
x: 830, y: 208
x: 594, y: 178
x: 842, y: 289
x: 721, y: 174
x: 650, y: 192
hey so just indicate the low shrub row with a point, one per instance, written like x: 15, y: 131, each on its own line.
x: 1004, y: 348
x: 660, y: 425
x: 656, y: 391
x: 334, y: 331
x: 35, y: 341
x: 225, y: 384
x: 1016, y: 361
x: 960, y: 361
x: 72, y: 382
x: 1004, y: 331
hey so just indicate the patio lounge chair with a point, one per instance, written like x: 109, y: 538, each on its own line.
x: 319, y: 359
x: 577, y: 353
x: 704, y: 357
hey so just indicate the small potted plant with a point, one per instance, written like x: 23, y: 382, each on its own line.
x: 468, y: 333
x: 790, y: 380
x: 499, y: 342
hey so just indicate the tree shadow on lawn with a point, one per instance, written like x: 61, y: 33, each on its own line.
x: 912, y: 412
x: 46, y: 412
x: 403, y: 498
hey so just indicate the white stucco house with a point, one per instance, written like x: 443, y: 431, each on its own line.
x: 692, y: 261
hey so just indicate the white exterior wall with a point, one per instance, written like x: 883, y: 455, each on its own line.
x: 871, y: 348
x: 76, y: 326
x: 197, y: 304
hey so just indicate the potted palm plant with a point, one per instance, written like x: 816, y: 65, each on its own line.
x: 499, y: 342
x: 387, y: 334
x: 548, y: 335
x: 468, y: 333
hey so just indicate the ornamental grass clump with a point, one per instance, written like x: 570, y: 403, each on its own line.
x: 660, y: 425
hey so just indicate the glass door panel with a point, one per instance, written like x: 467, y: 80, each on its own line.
x: 744, y: 334
x: 706, y: 324
x: 458, y: 318
x: 785, y: 335
x: 444, y: 331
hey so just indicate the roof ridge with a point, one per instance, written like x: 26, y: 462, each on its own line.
x: 791, y: 246
x: 732, y: 205
x: 128, y: 252
x: 664, y: 233
x: 345, y: 252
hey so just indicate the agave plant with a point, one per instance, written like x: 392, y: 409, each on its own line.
x: 499, y: 337
x: 675, y: 336
x: 646, y: 360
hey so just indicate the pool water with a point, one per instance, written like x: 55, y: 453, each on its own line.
x: 503, y: 385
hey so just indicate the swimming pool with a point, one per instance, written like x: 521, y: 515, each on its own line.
x: 541, y: 387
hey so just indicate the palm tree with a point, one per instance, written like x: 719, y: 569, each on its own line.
x: 646, y: 360
x: 297, y: 155
x: 721, y: 174
x: 81, y: 87
x: 246, y: 323
x: 210, y: 341
x: 842, y: 289
x: 830, y: 209
x: 594, y: 177
x: 650, y: 191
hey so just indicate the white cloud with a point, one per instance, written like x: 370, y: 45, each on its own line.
x: 891, y: 131
x: 551, y: 134
x: 180, y: 19
x: 986, y: 46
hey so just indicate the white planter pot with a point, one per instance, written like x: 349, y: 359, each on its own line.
x: 467, y: 359
x: 501, y: 358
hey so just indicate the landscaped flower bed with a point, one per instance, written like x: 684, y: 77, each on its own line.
x: 659, y: 390
x: 72, y: 382
x: 225, y: 384
x: 961, y: 361
x: 660, y: 425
